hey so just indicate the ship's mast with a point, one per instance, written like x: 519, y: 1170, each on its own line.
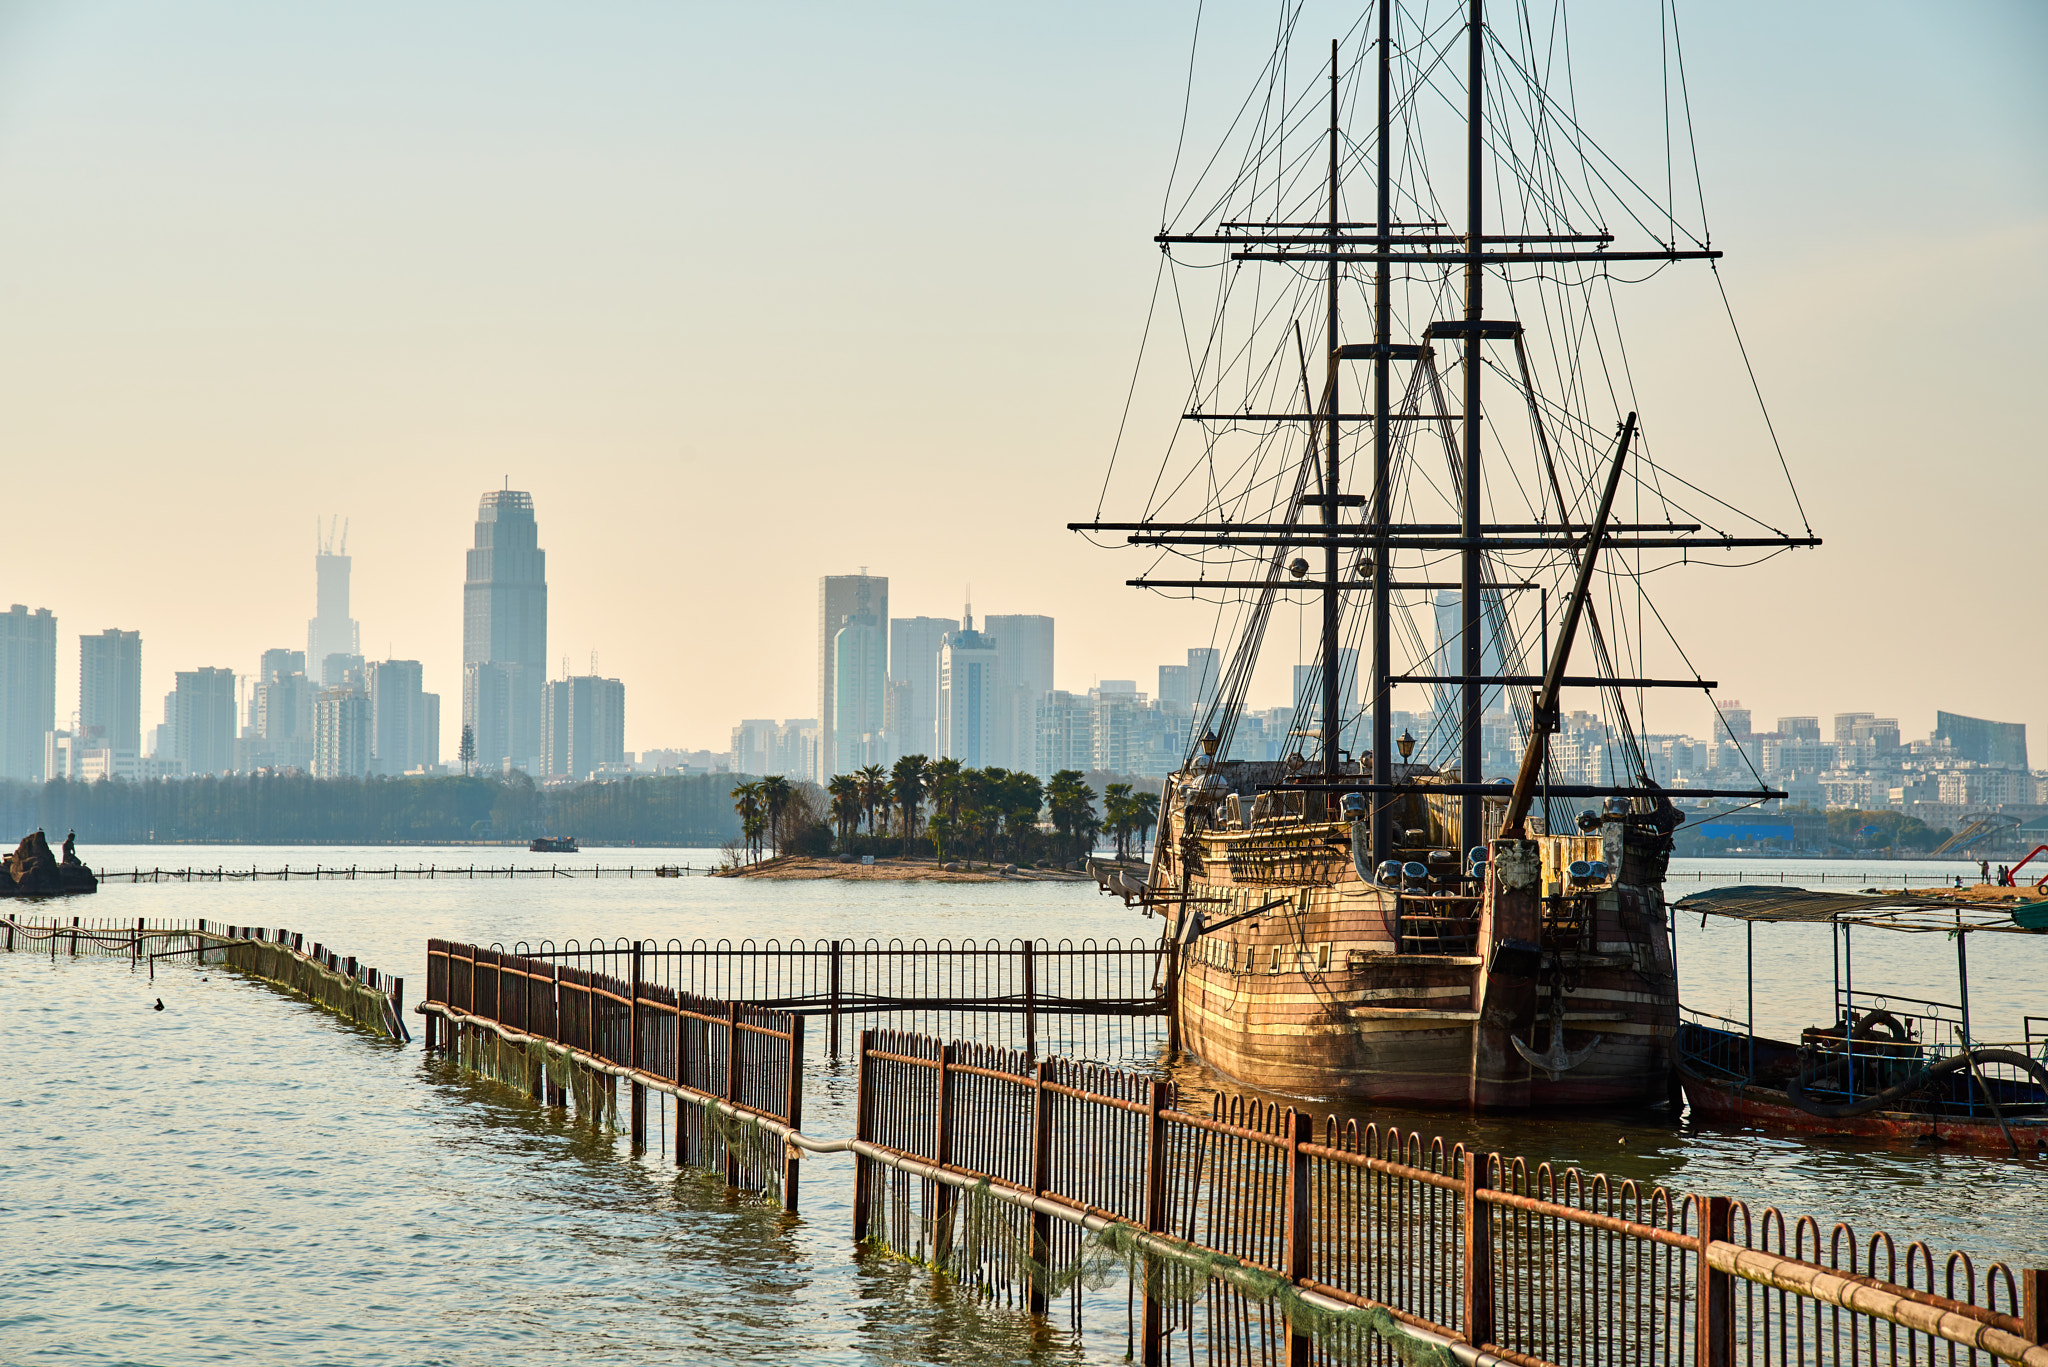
x: 1381, y: 694
x: 1333, y: 720
x: 1470, y: 693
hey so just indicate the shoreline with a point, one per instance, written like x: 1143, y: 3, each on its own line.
x: 808, y: 868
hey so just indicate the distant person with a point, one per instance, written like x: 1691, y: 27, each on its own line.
x: 1983, y: 870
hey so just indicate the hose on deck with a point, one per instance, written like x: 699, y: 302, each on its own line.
x: 1920, y: 1081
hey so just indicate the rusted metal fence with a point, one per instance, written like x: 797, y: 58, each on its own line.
x: 1093, y: 999
x: 730, y: 1065
x: 1253, y: 1235
x: 222, y: 873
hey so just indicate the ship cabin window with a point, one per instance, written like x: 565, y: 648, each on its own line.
x: 1323, y: 955
x: 1274, y: 967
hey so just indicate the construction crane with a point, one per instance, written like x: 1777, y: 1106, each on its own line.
x: 1978, y: 826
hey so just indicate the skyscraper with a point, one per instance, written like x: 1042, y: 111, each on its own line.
x: 399, y: 718
x: 332, y: 631
x: 341, y: 734
x: 914, y: 644
x: 505, y: 632
x: 201, y: 715
x: 841, y: 598
x: 971, y: 710
x: 1205, y: 676
x: 1025, y: 642
x: 858, y: 695
x: 28, y: 690
x: 584, y: 725
x: 110, y: 691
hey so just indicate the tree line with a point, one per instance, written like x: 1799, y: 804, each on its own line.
x: 296, y: 809
x: 940, y: 808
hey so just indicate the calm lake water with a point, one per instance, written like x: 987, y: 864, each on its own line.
x: 241, y: 1177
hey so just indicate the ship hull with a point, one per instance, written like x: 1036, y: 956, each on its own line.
x: 1768, y: 1108
x: 1315, y: 982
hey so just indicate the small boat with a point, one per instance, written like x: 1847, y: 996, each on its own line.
x: 1884, y: 1065
x: 553, y: 844
x: 34, y: 871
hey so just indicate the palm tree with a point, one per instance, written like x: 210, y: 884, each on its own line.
x: 846, y: 803
x: 1119, y: 816
x: 906, y: 782
x: 775, y: 797
x: 747, y: 803
x: 1071, y: 803
x: 1145, y: 812
x: 873, y: 784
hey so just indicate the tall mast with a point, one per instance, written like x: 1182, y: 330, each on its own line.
x: 1333, y: 720
x: 1382, y: 499
x: 1474, y: 658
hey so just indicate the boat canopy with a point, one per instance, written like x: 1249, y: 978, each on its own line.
x: 1908, y: 911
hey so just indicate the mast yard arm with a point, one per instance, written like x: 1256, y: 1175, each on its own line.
x: 1553, y: 672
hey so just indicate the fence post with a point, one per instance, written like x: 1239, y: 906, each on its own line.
x: 1478, y: 1221
x: 833, y: 977
x: 1030, y: 998
x: 636, y: 1093
x: 1151, y: 1337
x: 942, y: 1154
x: 1714, y: 1336
x: 863, y: 1125
x: 732, y: 1087
x: 1300, y: 1130
x: 1041, y: 1174
x: 2034, y: 1304
x: 1170, y: 989
x: 793, y: 1112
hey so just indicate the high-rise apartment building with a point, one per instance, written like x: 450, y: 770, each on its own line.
x: 583, y: 725
x: 841, y: 599
x: 341, y: 733
x: 1066, y: 734
x: 1173, y: 687
x: 859, y: 695
x: 972, y: 705
x: 1799, y: 728
x: 110, y: 692
x: 914, y: 644
x: 1025, y: 642
x: 201, y: 717
x: 1205, y: 677
x: 332, y: 631
x: 28, y: 690
x: 405, y: 720
x: 505, y: 632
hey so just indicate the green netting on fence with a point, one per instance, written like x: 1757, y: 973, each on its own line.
x: 993, y: 1234
x: 337, y: 992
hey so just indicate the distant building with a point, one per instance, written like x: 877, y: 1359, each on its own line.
x: 1065, y: 734
x: 405, y: 720
x: 1205, y: 677
x: 28, y: 690
x: 584, y: 726
x: 1732, y: 720
x: 60, y: 755
x: 972, y: 705
x: 1986, y: 742
x: 1799, y: 728
x: 505, y: 632
x: 1025, y: 643
x: 1173, y: 687
x: 341, y: 733
x: 201, y: 716
x: 914, y: 644
x: 859, y: 701
x: 332, y: 631
x: 841, y: 599
x: 110, y: 692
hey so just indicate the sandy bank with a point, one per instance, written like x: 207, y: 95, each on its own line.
x: 803, y: 868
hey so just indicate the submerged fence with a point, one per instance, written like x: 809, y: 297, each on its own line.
x: 372, y: 999
x: 554, y: 1029
x: 1102, y: 1000
x: 1248, y: 1234
x: 222, y: 873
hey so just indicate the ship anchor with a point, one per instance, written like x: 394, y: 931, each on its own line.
x: 1556, y: 1059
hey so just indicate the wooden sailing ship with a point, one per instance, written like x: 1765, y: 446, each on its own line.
x: 1353, y: 918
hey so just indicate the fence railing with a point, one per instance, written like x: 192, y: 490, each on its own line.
x: 1092, y: 999
x: 372, y: 999
x: 728, y: 1063
x: 1256, y: 1235
x: 222, y: 873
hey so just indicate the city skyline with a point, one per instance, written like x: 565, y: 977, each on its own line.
x: 312, y: 293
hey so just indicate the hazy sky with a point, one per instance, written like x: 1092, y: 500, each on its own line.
x: 749, y: 294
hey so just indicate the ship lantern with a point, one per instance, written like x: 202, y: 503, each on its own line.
x: 1406, y: 745
x: 1209, y: 743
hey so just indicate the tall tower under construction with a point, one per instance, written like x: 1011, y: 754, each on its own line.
x: 505, y: 633
x: 332, y: 632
